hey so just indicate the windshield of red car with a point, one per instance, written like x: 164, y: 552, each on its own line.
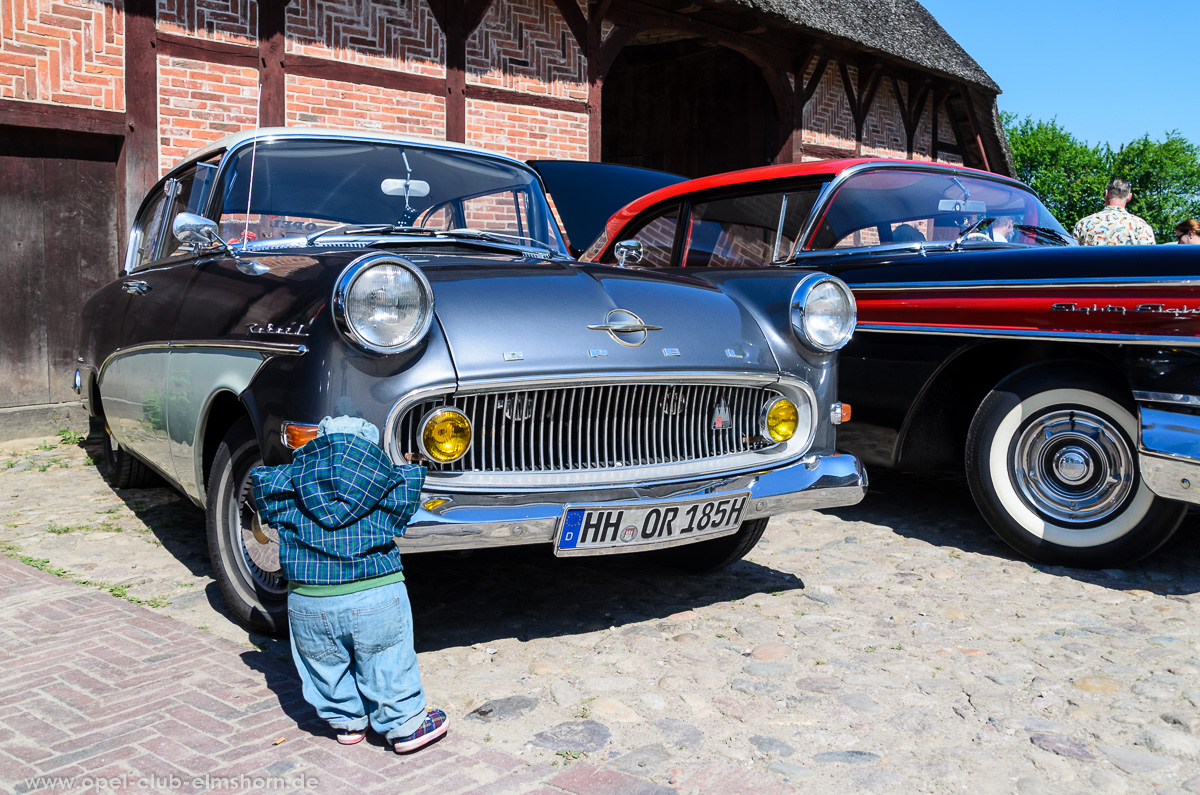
x: 886, y: 206
x: 293, y: 188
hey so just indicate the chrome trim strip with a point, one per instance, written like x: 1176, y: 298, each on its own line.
x: 716, y: 377
x: 1167, y: 397
x: 507, y: 519
x: 265, y: 348
x: 1107, y: 281
x: 1017, y: 334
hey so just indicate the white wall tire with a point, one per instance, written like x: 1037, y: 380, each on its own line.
x: 1052, y: 464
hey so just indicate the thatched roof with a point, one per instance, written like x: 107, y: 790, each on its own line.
x: 902, y: 29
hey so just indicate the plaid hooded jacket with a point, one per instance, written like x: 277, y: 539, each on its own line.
x: 338, y: 508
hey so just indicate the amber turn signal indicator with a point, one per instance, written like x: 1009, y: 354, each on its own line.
x: 296, y: 435
x: 839, y: 413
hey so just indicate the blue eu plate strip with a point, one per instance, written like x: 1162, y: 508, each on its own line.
x: 571, y: 528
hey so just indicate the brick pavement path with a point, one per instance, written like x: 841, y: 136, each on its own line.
x: 95, y: 687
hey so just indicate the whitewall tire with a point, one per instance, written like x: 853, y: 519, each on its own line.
x: 1051, y: 460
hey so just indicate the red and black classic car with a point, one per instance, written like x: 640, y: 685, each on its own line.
x: 1066, y: 380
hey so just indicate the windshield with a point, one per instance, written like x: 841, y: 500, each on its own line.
x: 897, y: 206
x: 301, y: 187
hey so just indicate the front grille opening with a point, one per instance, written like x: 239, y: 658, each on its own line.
x: 597, y: 427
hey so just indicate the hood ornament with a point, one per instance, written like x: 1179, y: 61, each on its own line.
x: 625, y: 327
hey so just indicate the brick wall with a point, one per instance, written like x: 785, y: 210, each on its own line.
x: 69, y: 52
x: 827, y: 118
x: 220, y: 20
x: 525, y: 45
x: 312, y: 102
x: 201, y: 102
x: 883, y: 133
x: 526, y: 133
x: 392, y: 34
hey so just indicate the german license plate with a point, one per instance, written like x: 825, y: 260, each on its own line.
x: 592, y: 529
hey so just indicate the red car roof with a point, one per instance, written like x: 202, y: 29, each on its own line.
x: 746, y: 177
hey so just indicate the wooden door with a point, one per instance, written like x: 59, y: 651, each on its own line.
x: 58, y: 244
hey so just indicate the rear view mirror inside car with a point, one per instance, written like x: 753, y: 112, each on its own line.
x: 961, y: 206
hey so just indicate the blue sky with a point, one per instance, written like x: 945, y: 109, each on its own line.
x: 1108, y: 71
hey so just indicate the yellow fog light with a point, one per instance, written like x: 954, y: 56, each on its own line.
x: 780, y: 419
x: 445, y: 435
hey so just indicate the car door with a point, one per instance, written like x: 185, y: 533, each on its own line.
x: 134, y: 385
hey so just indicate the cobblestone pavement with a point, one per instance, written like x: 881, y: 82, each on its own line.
x: 894, y: 646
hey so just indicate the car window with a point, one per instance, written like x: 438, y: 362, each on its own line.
x: 746, y: 231
x: 496, y: 212
x: 194, y: 186
x: 144, y: 237
x: 657, y: 237
x: 885, y: 206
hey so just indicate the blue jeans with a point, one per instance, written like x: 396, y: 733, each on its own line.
x: 356, y: 660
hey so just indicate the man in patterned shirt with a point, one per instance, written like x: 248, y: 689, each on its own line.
x: 1114, y: 225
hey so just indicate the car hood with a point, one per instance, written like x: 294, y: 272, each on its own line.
x: 530, y: 319
x: 586, y: 194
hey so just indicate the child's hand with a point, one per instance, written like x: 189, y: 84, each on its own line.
x: 416, y: 458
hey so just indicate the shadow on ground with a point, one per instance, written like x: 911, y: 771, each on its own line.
x: 938, y: 509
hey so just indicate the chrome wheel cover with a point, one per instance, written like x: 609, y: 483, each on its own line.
x: 1073, y: 466
x: 258, y: 561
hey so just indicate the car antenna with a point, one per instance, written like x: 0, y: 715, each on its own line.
x: 250, y: 189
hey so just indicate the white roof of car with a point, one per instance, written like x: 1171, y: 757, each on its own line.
x: 269, y: 133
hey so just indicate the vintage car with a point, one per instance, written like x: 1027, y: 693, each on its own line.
x: 1064, y: 379
x: 283, y: 275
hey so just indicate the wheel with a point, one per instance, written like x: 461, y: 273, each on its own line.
x: 245, y: 565
x: 121, y: 469
x: 1053, y: 467
x: 717, y: 553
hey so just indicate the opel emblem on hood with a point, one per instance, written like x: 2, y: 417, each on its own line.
x: 625, y: 327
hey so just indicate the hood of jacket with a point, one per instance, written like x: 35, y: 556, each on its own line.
x: 340, y: 478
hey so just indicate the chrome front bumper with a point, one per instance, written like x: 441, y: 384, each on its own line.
x: 1169, y: 453
x: 476, y: 521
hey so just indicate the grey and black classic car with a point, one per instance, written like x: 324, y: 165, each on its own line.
x: 280, y: 276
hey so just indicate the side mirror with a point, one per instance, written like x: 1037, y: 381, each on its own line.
x: 629, y: 252
x: 195, y: 230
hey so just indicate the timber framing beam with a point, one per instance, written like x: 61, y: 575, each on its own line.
x: 458, y: 20
x: 43, y: 115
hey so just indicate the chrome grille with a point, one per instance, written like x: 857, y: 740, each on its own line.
x: 600, y: 427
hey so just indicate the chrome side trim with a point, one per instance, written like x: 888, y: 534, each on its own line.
x: 265, y: 348
x: 1167, y: 397
x: 508, y: 519
x: 1018, y: 334
x: 1107, y: 281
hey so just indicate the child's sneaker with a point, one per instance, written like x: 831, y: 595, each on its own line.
x: 434, y: 726
x: 350, y: 736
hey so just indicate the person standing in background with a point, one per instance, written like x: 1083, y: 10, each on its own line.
x: 1187, y: 232
x: 1114, y: 225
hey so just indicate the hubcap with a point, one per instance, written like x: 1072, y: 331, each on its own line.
x: 1073, y: 466
x: 259, y: 543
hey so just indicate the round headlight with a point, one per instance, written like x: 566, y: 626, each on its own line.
x: 383, y: 303
x: 445, y: 435
x: 823, y: 312
x: 779, y: 419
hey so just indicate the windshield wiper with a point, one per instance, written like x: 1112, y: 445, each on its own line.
x: 498, y: 237
x: 370, y: 229
x: 1044, y: 234
x: 975, y: 228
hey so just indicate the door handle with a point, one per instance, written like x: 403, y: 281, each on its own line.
x: 136, y: 287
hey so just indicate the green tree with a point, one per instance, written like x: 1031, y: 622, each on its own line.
x: 1070, y: 175
x: 1165, y: 177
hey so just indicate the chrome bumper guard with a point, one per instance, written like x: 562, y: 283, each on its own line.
x: 1169, y: 453
x: 476, y: 521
